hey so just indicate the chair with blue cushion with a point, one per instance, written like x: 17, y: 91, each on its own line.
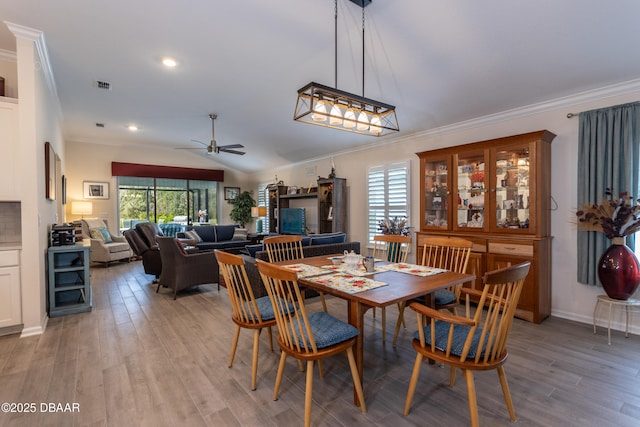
x: 392, y: 248
x: 477, y: 343
x: 287, y: 248
x: 306, y: 337
x: 449, y: 253
x: 248, y: 312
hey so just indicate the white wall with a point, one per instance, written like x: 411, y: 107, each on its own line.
x: 570, y: 299
x: 92, y: 162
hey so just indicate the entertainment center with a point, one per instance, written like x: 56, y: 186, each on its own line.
x: 287, y: 216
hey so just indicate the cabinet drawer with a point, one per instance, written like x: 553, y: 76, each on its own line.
x: 511, y: 249
x: 9, y: 258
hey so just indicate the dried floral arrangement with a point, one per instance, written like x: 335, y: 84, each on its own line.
x: 614, y: 216
x: 395, y: 225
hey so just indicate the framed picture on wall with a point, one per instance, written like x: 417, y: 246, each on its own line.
x: 95, y: 190
x: 50, y: 171
x: 231, y: 193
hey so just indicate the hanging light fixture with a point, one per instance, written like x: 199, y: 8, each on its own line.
x: 330, y: 107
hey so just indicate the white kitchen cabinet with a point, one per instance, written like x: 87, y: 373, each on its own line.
x: 9, y: 190
x: 10, y: 302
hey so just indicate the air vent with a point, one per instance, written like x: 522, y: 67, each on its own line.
x: 100, y: 125
x: 101, y: 84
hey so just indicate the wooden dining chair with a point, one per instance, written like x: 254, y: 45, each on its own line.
x: 392, y: 248
x: 248, y: 312
x: 287, y: 248
x: 449, y: 253
x: 477, y: 343
x: 306, y: 337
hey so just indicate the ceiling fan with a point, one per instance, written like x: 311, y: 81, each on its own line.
x: 214, y: 148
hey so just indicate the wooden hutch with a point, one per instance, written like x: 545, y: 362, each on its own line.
x: 496, y: 193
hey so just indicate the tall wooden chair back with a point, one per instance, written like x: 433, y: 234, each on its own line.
x: 287, y: 248
x: 449, y: 253
x: 392, y: 248
x: 247, y: 311
x: 306, y: 337
x: 283, y: 248
x: 477, y: 343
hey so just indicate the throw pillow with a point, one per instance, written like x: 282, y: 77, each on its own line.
x: 239, y: 234
x: 193, y: 236
x: 106, y: 235
x: 95, y: 233
x: 181, y: 247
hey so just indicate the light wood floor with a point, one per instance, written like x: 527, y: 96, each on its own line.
x: 140, y: 358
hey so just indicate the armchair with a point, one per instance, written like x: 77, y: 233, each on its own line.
x: 105, y: 247
x: 150, y: 254
x: 181, y: 270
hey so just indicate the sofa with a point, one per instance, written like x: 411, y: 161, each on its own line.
x: 105, y: 247
x: 325, y: 244
x: 210, y: 237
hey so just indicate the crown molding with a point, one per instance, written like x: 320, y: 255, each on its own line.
x: 37, y: 37
x: 7, y: 55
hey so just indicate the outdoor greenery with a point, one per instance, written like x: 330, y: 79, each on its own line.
x: 241, y: 211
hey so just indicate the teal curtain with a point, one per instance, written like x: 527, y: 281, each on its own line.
x: 608, y: 157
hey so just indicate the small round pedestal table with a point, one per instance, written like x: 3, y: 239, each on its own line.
x: 628, y: 304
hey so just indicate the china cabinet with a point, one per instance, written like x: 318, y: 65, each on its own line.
x: 496, y: 193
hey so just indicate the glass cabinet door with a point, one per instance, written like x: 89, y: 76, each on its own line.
x: 437, y: 198
x: 513, y: 195
x: 471, y: 190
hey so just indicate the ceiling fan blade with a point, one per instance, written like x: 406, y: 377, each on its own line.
x: 190, y: 148
x: 199, y: 142
x: 241, y: 153
x: 232, y: 146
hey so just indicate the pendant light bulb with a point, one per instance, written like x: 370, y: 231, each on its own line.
x: 336, y: 116
x: 349, y: 119
x: 320, y: 112
x: 363, y: 121
x: 376, y: 124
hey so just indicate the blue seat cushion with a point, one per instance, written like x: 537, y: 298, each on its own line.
x: 327, y: 330
x: 206, y: 232
x: 460, y: 333
x: 266, y: 308
x: 444, y: 297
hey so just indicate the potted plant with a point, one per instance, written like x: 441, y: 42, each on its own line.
x: 241, y: 211
x: 618, y: 268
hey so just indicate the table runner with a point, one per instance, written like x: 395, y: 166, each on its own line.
x: 416, y: 270
x: 347, y: 282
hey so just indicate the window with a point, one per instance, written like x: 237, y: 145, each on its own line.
x: 263, y: 200
x: 166, y: 200
x: 387, y: 193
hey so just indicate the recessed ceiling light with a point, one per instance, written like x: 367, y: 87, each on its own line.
x: 169, y: 62
x: 133, y: 128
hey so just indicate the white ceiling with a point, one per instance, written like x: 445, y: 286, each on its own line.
x: 440, y: 62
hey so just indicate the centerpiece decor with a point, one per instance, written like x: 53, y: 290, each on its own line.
x: 395, y: 225
x: 618, y: 267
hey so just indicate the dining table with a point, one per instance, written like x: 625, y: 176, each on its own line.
x: 388, y: 284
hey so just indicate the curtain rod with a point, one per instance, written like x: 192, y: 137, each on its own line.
x: 570, y: 115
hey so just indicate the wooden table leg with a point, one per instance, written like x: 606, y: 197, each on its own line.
x: 356, y: 318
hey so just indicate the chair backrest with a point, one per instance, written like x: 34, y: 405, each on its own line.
x: 243, y: 302
x: 283, y: 248
x: 500, y: 295
x: 391, y: 247
x: 138, y: 245
x: 450, y: 253
x: 294, y: 330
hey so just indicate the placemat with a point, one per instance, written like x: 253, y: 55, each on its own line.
x: 347, y: 282
x: 358, y: 271
x: 305, y: 270
x: 414, y: 269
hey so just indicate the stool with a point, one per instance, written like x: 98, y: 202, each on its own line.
x: 628, y: 304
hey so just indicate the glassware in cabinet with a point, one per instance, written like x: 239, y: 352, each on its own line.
x: 435, y: 189
x: 513, y: 195
x: 471, y: 183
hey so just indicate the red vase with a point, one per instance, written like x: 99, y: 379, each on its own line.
x: 619, y: 270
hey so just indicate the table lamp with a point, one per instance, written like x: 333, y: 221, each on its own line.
x: 81, y: 208
x: 257, y: 212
